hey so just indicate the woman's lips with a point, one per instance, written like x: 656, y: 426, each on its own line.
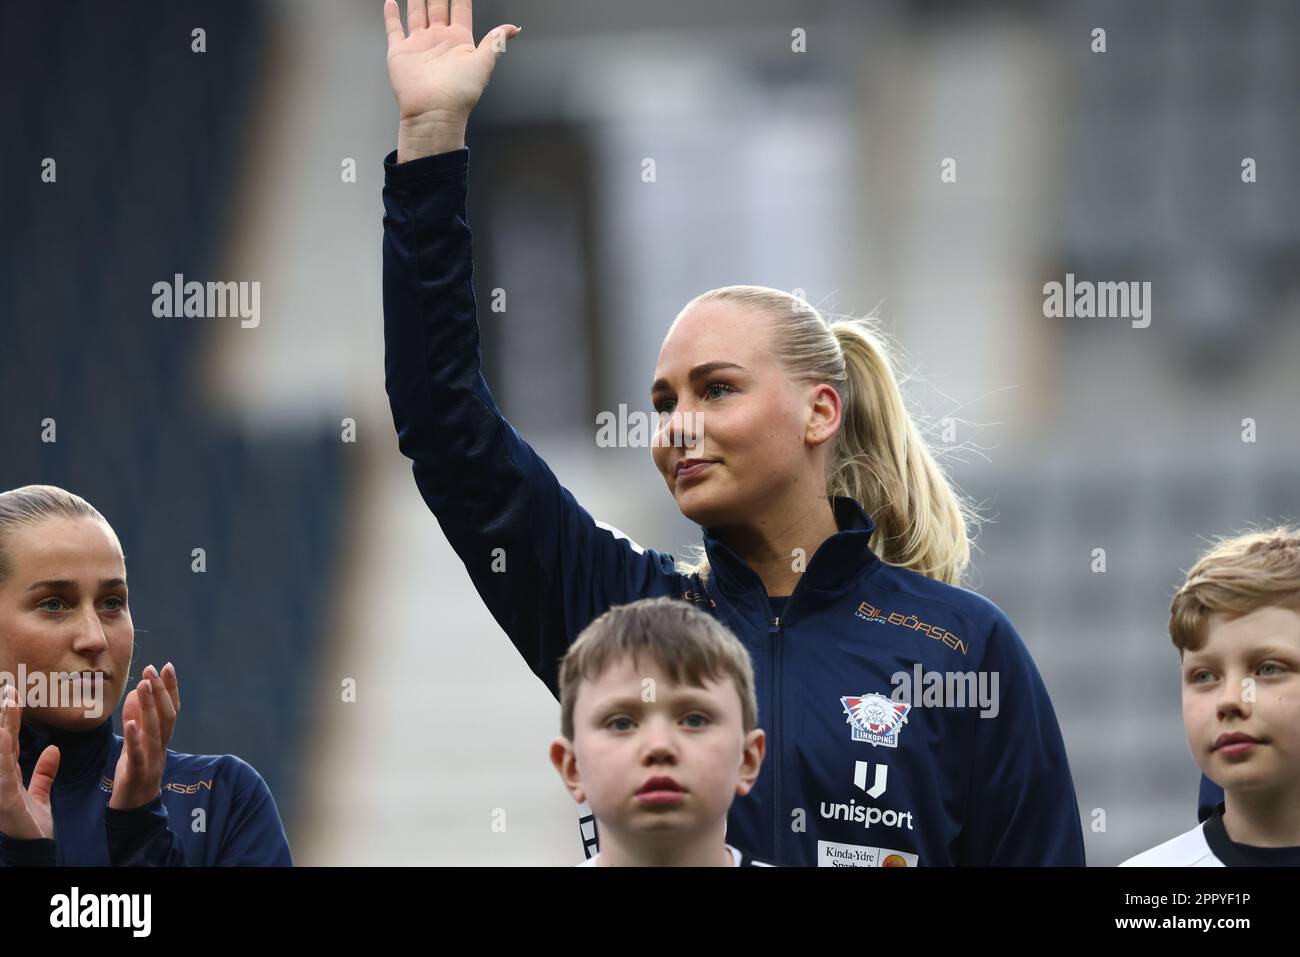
x: 694, y: 470
x: 88, y: 677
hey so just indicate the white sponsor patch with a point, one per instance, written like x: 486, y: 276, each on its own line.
x: 830, y: 854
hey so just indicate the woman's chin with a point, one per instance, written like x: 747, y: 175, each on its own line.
x: 67, y: 719
x: 702, y: 508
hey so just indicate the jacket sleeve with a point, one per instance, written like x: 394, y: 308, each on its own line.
x: 1022, y: 809
x: 142, y: 837
x: 543, y: 566
x: 36, y: 852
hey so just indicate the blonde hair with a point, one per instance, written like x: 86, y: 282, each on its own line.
x: 879, y: 458
x: 1237, y: 575
x: 689, y: 645
x: 26, y: 506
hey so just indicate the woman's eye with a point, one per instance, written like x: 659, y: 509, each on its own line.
x: 114, y: 603
x: 51, y: 604
x: 665, y: 406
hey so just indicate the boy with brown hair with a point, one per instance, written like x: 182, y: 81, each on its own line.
x: 1236, y: 624
x: 659, y: 733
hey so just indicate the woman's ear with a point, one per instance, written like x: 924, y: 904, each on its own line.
x: 824, y: 414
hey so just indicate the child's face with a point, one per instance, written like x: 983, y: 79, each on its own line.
x: 1240, y: 743
x: 668, y: 766
x: 64, y: 609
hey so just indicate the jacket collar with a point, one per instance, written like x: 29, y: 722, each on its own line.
x: 842, y: 557
x: 81, y: 753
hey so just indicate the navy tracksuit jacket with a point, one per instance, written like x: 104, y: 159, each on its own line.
x: 852, y: 777
x: 1210, y: 796
x: 213, y: 810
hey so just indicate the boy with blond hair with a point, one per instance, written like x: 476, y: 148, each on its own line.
x: 659, y: 733
x: 1236, y: 624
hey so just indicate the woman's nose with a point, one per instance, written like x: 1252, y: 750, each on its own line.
x: 90, y: 637
x: 682, y: 428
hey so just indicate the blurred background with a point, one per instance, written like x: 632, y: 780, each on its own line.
x: 817, y: 170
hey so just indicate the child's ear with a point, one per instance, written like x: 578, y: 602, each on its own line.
x: 565, y: 762
x: 751, y: 761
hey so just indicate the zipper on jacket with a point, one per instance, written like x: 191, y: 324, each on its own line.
x: 778, y: 712
x: 774, y: 639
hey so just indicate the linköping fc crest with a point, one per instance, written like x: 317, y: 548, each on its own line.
x: 875, y: 719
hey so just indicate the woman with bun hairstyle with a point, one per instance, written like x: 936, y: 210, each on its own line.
x: 71, y: 791
x: 833, y: 543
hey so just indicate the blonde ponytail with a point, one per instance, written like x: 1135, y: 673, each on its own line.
x: 882, y: 461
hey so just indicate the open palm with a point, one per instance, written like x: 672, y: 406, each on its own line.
x: 436, y: 71
x: 25, y: 812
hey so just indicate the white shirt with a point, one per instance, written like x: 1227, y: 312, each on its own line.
x: 1209, y: 846
x: 736, y: 856
x: 1186, y: 850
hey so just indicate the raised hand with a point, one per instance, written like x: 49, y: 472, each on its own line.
x: 148, y: 717
x: 24, y: 812
x: 437, y: 73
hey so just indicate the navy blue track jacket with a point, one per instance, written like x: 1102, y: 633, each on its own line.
x: 1209, y: 796
x: 237, y: 822
x: 851, y: 778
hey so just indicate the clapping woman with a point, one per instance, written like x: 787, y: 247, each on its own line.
x: 72, y: 792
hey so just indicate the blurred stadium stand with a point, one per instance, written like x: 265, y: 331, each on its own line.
x: 147, y: 137
x: 817, y: 172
